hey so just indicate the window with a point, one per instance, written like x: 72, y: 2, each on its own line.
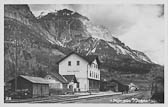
x: 69, y: 63
x: 90, y: 74
x: 78, y: 62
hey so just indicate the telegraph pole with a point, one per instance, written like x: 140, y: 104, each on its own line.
x: 58, y: 28
x: 16, y: 44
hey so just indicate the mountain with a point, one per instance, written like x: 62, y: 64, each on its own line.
x: 34, y: 52
x: 44, y: 40
x: 72, y: 30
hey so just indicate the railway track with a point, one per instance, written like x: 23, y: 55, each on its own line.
x: 40, y: 99
x: 70, y: 100
x: 108, y: 99
x: 142, y: 95
x: 138, y: 95
x: 76, y: 99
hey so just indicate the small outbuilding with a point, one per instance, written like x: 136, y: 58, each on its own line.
x: 57, y: 81
x: 63, y: 82
x: 73, y: 84
x: 36, y: 86
x: 113, y: 85
x: 116, y: 86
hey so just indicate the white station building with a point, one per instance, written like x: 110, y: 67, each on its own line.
x: 85, y: 69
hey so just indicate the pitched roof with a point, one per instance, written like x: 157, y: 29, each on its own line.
x: 118, y: 82
x: 70, y: 78
x: 58, y: 77
x: 35, y: 79
x: 89, y: 58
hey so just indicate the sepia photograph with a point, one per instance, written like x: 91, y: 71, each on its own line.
x: 84, y: 53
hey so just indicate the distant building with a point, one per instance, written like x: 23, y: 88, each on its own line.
x: 57, y: 81
x: 85, y: 69
x: 63, y: 82
x: 72, y: 82
x: 115, y: 85
x: 35, y: 85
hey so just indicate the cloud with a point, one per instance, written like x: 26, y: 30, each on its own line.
x: 75, y: 7
x: 147, y: 35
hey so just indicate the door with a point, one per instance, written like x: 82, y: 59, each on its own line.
x: 71, y: 87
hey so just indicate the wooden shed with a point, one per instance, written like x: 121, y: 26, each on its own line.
x: 37, y: 86
x: 117, y: 86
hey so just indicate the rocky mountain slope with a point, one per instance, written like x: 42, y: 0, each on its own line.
x: 72, y: 30
x: 42, y: 41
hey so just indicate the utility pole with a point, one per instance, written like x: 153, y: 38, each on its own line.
x: 16, y: 67
x: 58, y: 28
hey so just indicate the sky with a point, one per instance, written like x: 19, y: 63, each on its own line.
x: 139, y: 26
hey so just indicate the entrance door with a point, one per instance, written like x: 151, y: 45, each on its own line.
x: 71, y: 87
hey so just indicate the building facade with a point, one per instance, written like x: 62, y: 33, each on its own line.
x: 85, y: 69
